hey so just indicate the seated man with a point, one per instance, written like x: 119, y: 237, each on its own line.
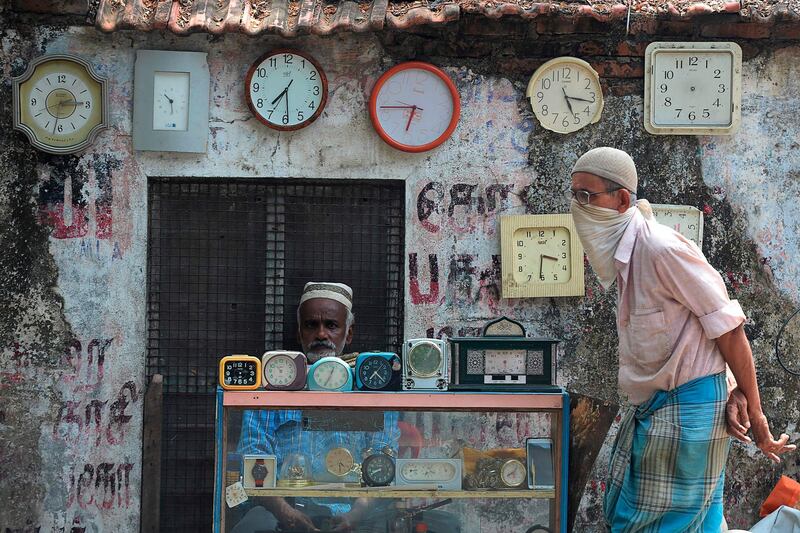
x: 325, y: 327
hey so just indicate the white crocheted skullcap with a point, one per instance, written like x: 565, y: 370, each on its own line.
x: 332, y: 291
x: 611, y: 164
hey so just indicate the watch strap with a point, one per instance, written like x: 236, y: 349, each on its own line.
x: 259, y: 482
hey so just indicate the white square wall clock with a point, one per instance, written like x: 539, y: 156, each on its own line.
x: 685, y: 219
x: 692, y: 88
x: 170, y: 101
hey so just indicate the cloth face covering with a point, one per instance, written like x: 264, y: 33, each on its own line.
x: 600, y: 230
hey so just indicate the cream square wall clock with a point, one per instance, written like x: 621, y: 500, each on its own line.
x: 685, y: 219
x: 692, y: 88
x: 170, y: 101
x: 541, y: 256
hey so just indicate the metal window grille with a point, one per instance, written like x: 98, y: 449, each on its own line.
x: 227, y: 260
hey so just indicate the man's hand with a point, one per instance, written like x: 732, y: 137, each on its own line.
x: 764, y: 440
x: 736, y: 411
x: 294, y: 520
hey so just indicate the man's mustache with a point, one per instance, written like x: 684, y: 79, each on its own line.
x: 322, y: 344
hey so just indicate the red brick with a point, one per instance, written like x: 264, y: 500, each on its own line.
x: 628, y: 48
x: 592, y: 48
x: 786, y: 31
x: 740, y: 30
x: 615, y: 68
x: 625, y: 88
x: 643, y: 24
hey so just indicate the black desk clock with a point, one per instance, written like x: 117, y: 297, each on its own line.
x: 503, y: 360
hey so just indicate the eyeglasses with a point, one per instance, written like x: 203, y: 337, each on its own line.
x: 583, y: 197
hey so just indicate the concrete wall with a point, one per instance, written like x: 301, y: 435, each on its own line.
x: 73, y: 239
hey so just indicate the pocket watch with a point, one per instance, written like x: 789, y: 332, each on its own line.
x: 513, y: 473
x: 60, y: 103
x: 339, y: 462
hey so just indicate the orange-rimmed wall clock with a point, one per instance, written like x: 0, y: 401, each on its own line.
x: 414, y: 106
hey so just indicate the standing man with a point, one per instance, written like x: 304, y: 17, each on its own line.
x: 677, y: 330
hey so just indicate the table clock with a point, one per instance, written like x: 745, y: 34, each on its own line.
x: 503, y: 359
x: 378, y: 469
x: 330, y: 374
x: 425, y: 365
x: 284, y: 370
x: 378, y: 371
x: 443, y: 474
x: 240, y: 372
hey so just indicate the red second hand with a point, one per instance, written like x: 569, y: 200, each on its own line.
x: 411, y: 116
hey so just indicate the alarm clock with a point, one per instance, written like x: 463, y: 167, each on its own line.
x: 378, y: 469
x: 330, y: 374
x: 425, y: 365
x: 240, y: 372
x: 442, y: 474
x: 284, y: 370
x: 377, y: 371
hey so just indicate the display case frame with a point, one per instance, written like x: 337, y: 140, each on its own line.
x: 555, y: 402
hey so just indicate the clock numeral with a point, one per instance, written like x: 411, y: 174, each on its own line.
x: 667, y: 101
x: 706, y: 113
x: 311, y: 105
x: 563, y: 255
x: 300, y: 116
x: 273, y: 62
x: 563, y: 242
x: 692, y: 61
x: 285, y: 119
x: 555, y: 277
x: 521, y: 244
x: 313, y: 75
x: 541, y: 277
x: 541, y: 234
x: 546, y: 83
x: 564, y: 268
x: 663, y: 88
x: 33, y: 102
x: 576, y: 118
x: 717, y: 73
x: 544, y: 111
x: 61, y: 78
x: 555, y: 117
x: 88, y: 104
x: 564, y: 122
x: 679, y: 63
x: 692, y: 116
x: 260, y: 103
x: 566, y: 73
x: 678, y: 115
x: 588, y: 84
x: 528, y: 234
x: 519, y: 256
x: 316, y: 90
x: 669, y: 74
x: 287, y: 59
x: 270, y: 111
x: 520, y: 269
x: 261, y: 72
x: 586, y: 110
x: 60, y: 128
x: 593, y: 95
x: 540, y: 96
x: 256, y: 87
x: 716, y: 103
x: 721, y: 88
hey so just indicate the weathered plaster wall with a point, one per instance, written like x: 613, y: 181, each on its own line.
x: 73, y: 235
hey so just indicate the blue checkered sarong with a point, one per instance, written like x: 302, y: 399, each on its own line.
x: 668, y: 462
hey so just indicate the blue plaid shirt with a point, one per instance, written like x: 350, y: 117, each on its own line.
x: 280, y: 433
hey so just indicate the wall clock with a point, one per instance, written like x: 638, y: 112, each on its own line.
x: 414, y: 107
x: 541, y: 255
x: 60, y: 103
x: 286, y: 89
x: 170, y: 101
x: 685, y: 219
x: 692, y: 88
x: 565, y: 94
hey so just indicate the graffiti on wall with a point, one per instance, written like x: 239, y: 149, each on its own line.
x: 99, y: 421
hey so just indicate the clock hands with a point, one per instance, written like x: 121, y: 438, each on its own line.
x: 411, y: 116
x: 283, y: 93
x: 413, y: 108
x: 578, y: 99
x: 541, y: 260
x: 170, y: 100
x: 569, y: 104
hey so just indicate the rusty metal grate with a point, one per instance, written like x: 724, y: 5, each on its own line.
x: 227, y: 260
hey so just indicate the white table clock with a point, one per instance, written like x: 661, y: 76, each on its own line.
x: 541, y: 256
x: 685, y: 219
x: 692, y: 88
x: 170, y: 101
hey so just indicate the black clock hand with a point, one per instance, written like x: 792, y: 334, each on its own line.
x: 580, y: 99
x: 280, y: 95
x: 541, y: 259
x: 168, y: 98
x: 569, y: 104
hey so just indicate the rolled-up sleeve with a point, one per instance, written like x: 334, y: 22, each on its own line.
x: 689, y: 279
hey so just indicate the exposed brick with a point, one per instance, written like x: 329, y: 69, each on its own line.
x: 625, y: 88
x: 786, y: 31
x: 506, y: 27
x: 56, y: 7
x: 676, y: 28
x: 628, y: 48
x: 525, y: 67
x: 733, y: 31
x: 592, y: 48
x: 619, y: 68
x: 641, y: 24
x: 562, y: 25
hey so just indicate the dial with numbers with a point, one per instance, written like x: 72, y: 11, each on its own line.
x: 280, y: 370
x: 565, y: 94
x: 286, y: 89
x: 330, y: 374
x: 513, y: 473
x: 692, y: 88
x: 171, y: 101
x: 60, y: 103
x: 240, y: 372
x: 685, y: 219
x: 542, y: 255
x: 414, y: 106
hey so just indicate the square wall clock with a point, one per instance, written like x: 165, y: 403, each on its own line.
x: 685, y: 219
x: 692, y: 88
x: 541, y: 256
x: 170, y: 101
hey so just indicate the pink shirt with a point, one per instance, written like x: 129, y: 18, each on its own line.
x: 671, y: 306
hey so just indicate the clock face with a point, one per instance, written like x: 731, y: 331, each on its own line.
x: 425, y: 359
x: 685, y: 219
x: 280, y: 371
x: 692, y: 88
x: 428, y: 471
x: 566, y: 95
x: 331, y: 375
x: 339, y: 461
x: 542, y: 255
x: 513, y: 473
x: 414, y: 106
x: 60, y: 104
x: 286, y: 89
x: 504, y: 362
x: 378, y: 470
x: 375, y: 372
x: 241, y: 373
x: 171, y: 101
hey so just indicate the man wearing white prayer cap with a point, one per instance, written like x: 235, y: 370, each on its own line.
x: 325, y: 319
x: 677, y: 331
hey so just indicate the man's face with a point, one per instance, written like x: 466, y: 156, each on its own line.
x: 322, y: 328
x: 617, y: 200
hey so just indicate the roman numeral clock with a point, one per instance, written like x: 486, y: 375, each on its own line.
x: 60, y: 103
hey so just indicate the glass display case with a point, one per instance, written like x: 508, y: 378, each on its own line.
x: 391, y: 462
